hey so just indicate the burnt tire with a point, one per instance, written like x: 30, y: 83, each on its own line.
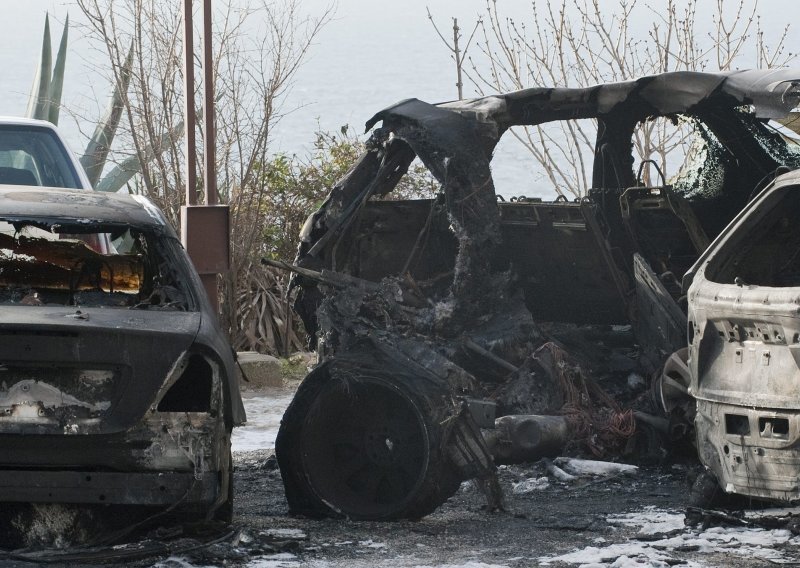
x: 706, y: 492
x: 365, y: 448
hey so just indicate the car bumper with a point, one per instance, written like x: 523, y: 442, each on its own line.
x: 109, y: 487
x: 747, y: 458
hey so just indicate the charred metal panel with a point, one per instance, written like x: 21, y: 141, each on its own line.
x: 660, y: 323
x: 563, y: 268
x: 55, y: 338
x: 386, y: 241
x: 752, y: 452
x: 110, y: 208
x: 576, y: 285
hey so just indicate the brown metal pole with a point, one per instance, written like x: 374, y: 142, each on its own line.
x: 205, y: 230
x: 209, y: 142
x: 188, y: 104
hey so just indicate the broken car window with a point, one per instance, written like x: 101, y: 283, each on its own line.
x: 770, y: 255
x: 59, y: 264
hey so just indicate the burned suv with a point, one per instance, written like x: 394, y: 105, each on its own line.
x: 117, y: 385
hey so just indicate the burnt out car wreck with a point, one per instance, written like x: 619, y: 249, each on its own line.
x: 117, y: 386
x: 435, y: 316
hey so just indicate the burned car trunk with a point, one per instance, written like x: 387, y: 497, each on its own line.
x: 455, y: 284
x: 116, y: 383
x: 744, y: 337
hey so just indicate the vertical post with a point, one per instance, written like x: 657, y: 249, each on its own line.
x: 188, y: 104
x: 457, y: 52
x: 205, y: 230
x: 209, y: 143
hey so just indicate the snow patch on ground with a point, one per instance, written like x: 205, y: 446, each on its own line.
x: 371, y: 544
x: 280, y: 560
x: 178, y: 562
x: 468, y: 564
x: 651, y: 521
x: 264, y: 413
x: 776, y: 545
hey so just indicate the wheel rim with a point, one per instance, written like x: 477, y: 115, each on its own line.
x: 365, y: 448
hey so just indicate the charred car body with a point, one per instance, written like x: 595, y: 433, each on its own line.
x: 421, y: 307
x: 744, y: 338
x: 116, y: 384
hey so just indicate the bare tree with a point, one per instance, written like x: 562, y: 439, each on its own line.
x: 578, y: 43
x: 458, y: 53
x: 259, y: 48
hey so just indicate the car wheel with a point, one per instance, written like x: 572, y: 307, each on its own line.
x: 364, y: 448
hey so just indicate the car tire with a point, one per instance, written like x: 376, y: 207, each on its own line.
x: 333, y: 428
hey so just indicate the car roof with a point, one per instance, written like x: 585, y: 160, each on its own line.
x: 85, y: 207
x: 21, y: 121
x: 771, y: 92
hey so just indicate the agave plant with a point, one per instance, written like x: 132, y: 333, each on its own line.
x: 45, y: 103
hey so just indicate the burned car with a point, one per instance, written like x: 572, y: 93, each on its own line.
x: 117, y: 385
x: 744, y: 339
x: 428, y: 313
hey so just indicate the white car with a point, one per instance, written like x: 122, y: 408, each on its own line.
x: 32, y: 152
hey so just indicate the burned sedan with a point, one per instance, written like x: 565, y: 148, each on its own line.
x: 744, y: 348
x: 117, y: 385
x: 429, y: 313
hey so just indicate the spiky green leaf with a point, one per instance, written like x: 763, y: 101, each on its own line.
x: 96, y: 153
x: 57, y: 80
x: 37, y: 103
x: 122, y: 173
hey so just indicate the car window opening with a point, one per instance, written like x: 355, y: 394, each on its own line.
x: 770, y: 256
x: 57, y: 264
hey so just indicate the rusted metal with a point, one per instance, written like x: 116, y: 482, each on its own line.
x: 209, y: 124
x: 188, y: 103
x: 205, y: 231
